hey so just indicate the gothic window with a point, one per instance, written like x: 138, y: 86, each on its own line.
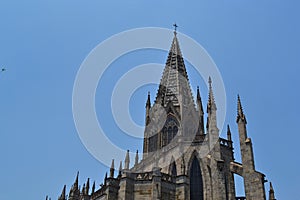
x: 169, y: 131
x: 196, y: 182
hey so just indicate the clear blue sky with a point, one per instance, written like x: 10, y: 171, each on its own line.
x: 254, y: 43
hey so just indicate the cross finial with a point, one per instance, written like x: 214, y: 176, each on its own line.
x: 175, y: 27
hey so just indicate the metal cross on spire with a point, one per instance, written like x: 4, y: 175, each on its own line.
x: 175, y: 27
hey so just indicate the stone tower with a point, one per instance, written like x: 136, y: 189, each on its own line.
x: 183, y: 159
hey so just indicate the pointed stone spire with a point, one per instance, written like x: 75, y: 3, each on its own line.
x: 211, y: 108
x: 211, y: 126
x: 174, y: 99
x: 148, y: 106
x: 105, y: 178
x: 174, y: 79
x: 127, y: 160
x: 229, y: 133
x: 120, y: 168
x: 201, y: 113
x: 229, y: 138
x: 271, y: 192
x: 136, y: 157
x: 76, y: 181
x: 63, y: 194
x: 83, y: 189
x: 175, y: 45
x: 211, y: 99
x: 93, y: 188
x: 75, y: 190
x: 87, y: 188
x: 240, y: 112
x: 112, y: 169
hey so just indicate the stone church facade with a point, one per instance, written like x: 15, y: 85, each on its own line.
x: 183, y: 158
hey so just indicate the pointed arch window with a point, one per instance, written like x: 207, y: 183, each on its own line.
x: 196, y: 182
x: 169, y: 131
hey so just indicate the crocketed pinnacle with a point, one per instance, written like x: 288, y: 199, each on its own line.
x: 211, y: 100
x: 76, y: 181
x: 127, y: 160
x: 87, y: 188
x: 228, y: 133
x: 63, y: 194
x: 240, y: 112
x: 112, y: 169
x: 93, y: 188
x: 136, y: 157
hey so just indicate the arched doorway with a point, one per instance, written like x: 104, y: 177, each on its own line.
x: 196, y: 182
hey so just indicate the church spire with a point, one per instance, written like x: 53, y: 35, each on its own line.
x: 175, y: 49
x: 175, y: 79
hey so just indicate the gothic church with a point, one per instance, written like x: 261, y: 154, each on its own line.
x: 183, y: 158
